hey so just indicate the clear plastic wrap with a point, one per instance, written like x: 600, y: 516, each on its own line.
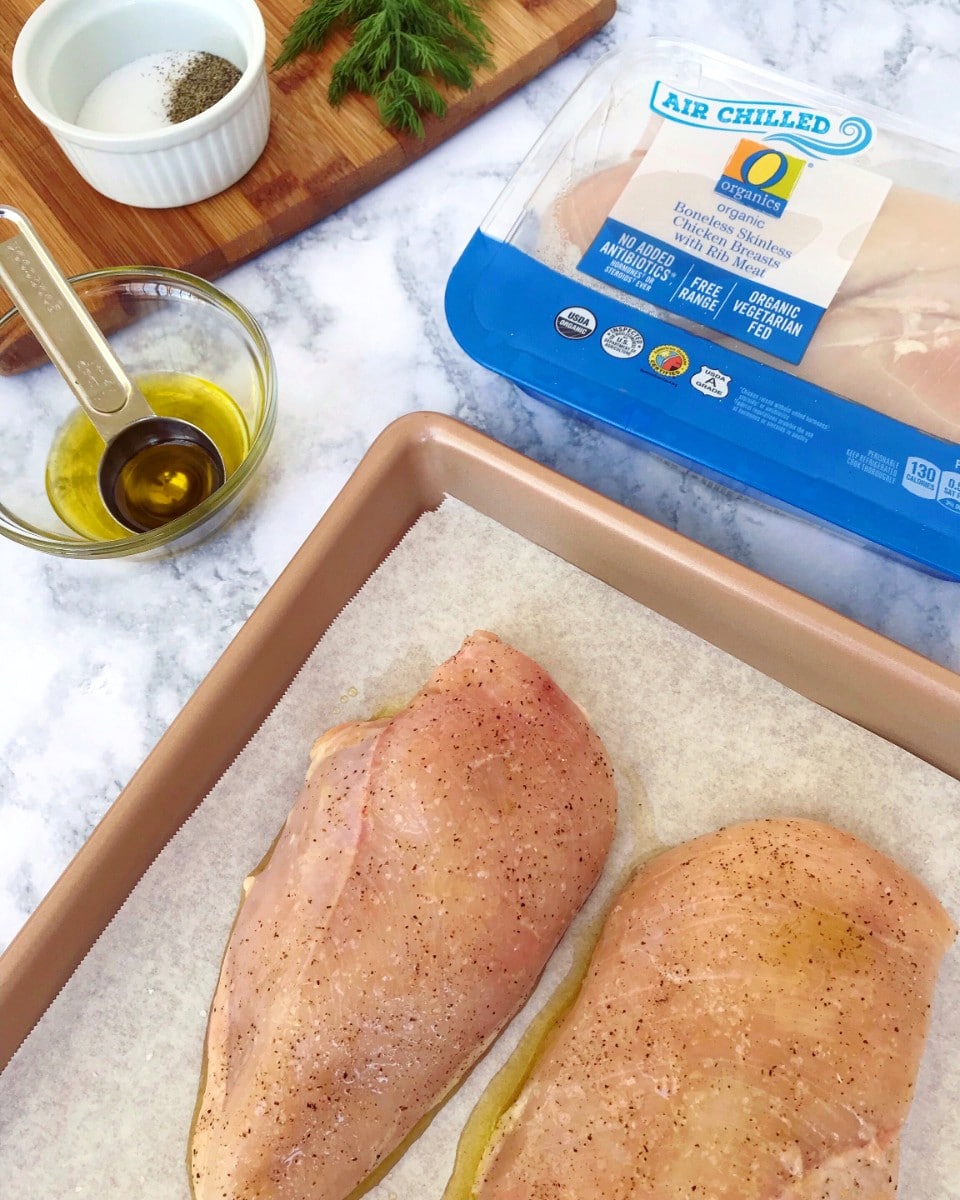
x: 754, y: 277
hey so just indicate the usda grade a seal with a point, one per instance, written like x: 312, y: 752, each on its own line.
x: 575, y: 323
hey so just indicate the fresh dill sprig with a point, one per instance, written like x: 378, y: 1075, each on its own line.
x: 400, y: 50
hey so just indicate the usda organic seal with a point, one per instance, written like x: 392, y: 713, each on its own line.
x: 575, y: 323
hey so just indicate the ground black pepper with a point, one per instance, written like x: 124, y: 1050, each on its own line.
x: 205, y: 79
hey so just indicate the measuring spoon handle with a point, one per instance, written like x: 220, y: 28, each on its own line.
x: 66, y: 331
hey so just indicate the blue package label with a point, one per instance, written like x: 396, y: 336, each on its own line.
x: 702, y: 290
x: 707, y: 406
x: 740, y: 235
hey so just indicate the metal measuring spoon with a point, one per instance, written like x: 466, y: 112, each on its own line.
x: 117, y: 408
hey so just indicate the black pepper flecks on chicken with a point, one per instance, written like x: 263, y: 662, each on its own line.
x: 425, y: 874
x: 750, y: 1027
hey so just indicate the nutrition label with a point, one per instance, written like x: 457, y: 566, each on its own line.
x: 928, y: 481
x: 737, y: 235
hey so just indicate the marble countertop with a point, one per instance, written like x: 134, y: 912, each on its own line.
x: 98, y: 658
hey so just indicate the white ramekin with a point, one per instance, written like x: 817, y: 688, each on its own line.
x: 67, y: 47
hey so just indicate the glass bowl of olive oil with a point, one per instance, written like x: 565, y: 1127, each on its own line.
x: 196, y: 354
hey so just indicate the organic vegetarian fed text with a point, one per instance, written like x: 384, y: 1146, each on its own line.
x: 402, y: 51
x: 403, y: 916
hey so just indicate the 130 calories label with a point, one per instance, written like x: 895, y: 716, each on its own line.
x: 928, y: 481
x: 737, y: 234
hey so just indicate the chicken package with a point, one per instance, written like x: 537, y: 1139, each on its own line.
x: 424, y: 876
x: 752, y: 277
x: 750, y: 1025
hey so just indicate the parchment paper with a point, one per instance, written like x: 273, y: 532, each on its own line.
x: 99, y: 1100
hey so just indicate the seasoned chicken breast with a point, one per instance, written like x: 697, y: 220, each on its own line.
x: 408, y: 907
x: 750, y: 1027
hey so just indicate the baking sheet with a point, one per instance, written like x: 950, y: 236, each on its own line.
x: 698, y: 739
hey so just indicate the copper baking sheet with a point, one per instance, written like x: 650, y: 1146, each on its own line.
x: 408, y: 471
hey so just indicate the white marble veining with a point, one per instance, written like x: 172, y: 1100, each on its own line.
x: 97, y: 658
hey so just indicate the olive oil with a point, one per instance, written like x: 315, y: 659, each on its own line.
x: 162, y: 482
x: 158, y: 484
x: 477, y: 1135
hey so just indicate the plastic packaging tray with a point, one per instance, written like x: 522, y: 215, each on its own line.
x: 753, y: 277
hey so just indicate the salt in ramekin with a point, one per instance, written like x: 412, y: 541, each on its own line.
x: 67, y: 47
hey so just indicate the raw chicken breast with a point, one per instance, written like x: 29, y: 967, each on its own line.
x: 891, y: 337
x: 750, y: 1028
x: 419, y: 885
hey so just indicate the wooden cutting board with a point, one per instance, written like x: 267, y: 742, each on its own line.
x: 317, y: 158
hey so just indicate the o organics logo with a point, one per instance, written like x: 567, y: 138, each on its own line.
x: 760, y: 177
x: 669, y: 360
